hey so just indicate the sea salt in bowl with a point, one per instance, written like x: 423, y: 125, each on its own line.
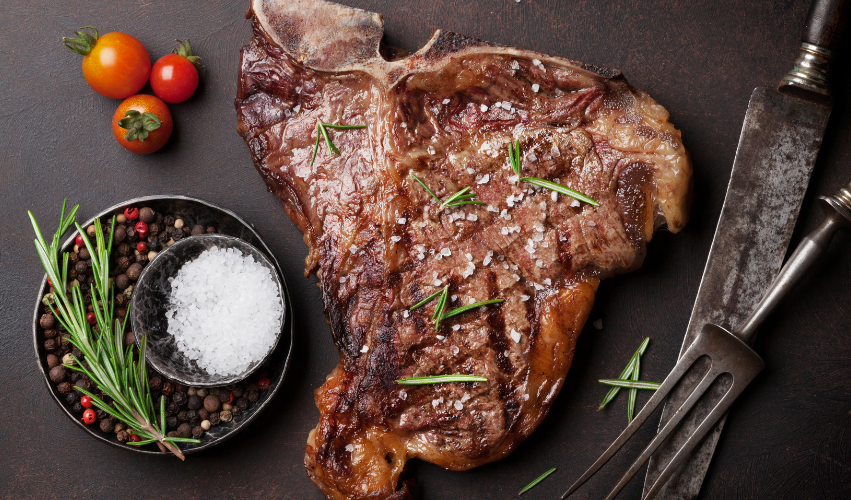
x: 212, y: 308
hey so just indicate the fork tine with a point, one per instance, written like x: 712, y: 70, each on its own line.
x: 705, y: 426
x: 670, y: 381
x: 663, y: 434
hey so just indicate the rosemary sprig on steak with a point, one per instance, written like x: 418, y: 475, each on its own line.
x: 429, y: 299
x: 536, y: 481
x: 441, y: 305
x: 321, y: 130
x: 462, y: 197
x: 463, y: 309
x: 515, y: 158
x: 440, y: 379
x: 114, y: 370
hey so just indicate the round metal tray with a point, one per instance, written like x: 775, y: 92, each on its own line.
x: 193, y: 211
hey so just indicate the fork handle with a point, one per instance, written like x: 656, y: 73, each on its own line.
x: 813, y: 247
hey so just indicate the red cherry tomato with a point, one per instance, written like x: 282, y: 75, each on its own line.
x: 115, y: 65
x: 131, y: 213
x: 140, y: 132
x: 174, y: 77
x: 89, y: 416
x: 79, y: 241
x: 86, y: 401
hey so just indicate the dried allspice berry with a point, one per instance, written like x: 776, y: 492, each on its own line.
x: 58, y: 374
x: 47, y: 321
x: 107, y: 425
x: 52, y: 360
x: 197, y: 229
x: 121, y: 436
x: 65, y: 388
x: 212, y: 403
x: 147, y: 215
x: 184, y: 430
x: 134, y: 271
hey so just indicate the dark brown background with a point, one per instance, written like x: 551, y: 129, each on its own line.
x: 788, y: 437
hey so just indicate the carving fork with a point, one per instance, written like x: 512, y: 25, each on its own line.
x: 727, y: 363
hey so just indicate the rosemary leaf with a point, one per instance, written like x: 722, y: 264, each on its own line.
x: 441, y: 305
x: 440, y: 379
x: 560, y: 189
x: 514, y: 157
x: 626, y: 373
x: 536, y: 481
x: 331, y: 146
x: 315, y: 146
x: 463, y: 309
x: 321, y: 130
x: 343, y: 127
x: 423, y: 184
x: 633, y: 393
x: 640, y: 384
x: 427, y: 300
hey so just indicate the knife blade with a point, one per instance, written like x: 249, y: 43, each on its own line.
x: 777, y: 151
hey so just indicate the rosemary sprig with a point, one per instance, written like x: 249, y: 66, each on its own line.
x: 626, y: 373
x: 425, y: 300
x: 321, y: 130
x: 515, y: 158
x: 462, y: 197
x: 463, y: 309
x: 560, y: 189
x: 441, y: 305
x: 639, y: 384
x: 536, y: 481
x: 440, y: 379
x: 112, y: 368
x: 633, y: 393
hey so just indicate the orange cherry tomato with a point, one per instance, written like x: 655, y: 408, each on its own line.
x: 115, y: 65
x: 142, y: 124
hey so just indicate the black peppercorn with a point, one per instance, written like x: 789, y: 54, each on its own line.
x: 172, y: 408
x: 211, y: 230
x: 184, y: 430
x: 197, y: 229
x: 177, y: 235
x: 153, y: 229
x: 77, y: 354
x: 235, y: 411
x: 65, y: 340
x: 77, y: 408
x: 242, y: 403
x: 147, y: 215
x: 64, y: 388
x: 155, y: 245
x: 183, y: 415
x: 171, y: 422
x: 84, y: 383
x: 131, y: 234
x: 172, y: 434
x: 203, y: 414
x: 163, y: 237
x: 107, y: 425
x: 237, y: 391
x: 167, y: 388
x: 120, y: 234
x: 179, y: 397
x: 47, y: 321
x: 253, y: 395
x: 49, y: 334
x: 52, y: 360
x: 224, y: 396
x: 197, y: 432
x: 180, y: 387
x: 124, y: 249
x: 192, y: 416
x: 101, y: 414
x: 75, y: 376
x: 159, y: 218
x: 129, y: 339
x: 73, y: 257
x: 50, y: 345
x: 194, y: 402
x: 121, y: 312
x: 121, y: 299
x: 155, y: 383
x: 134, y: 271
x: 84, y: 254
x: 168, y: 220
x: 71, y: 398
x: 124, y: 263
x: 122, y: 282
x: 58, y: 374
x: 214, y: 418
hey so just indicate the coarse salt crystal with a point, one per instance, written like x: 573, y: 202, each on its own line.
x: 401, y: 220
x: 486, y: 260
x: 548, y: 282
x: 440, y: 337
x: 350, y: 448
x: 395, y: 239
x: 515, y: 336
x: 524, y: 298
x: 492, y: 209
x: 446, y: 101
x: 406, y: 313
x: 526, y: 397
x: 536, y: 62
x: 513, y: 179
x: 516, y: 277
x: 353, y: 248
x: 469, y: 256
x: 574, y: 203
x: 470, y: 171
x: 472, y: 217
x: 431, y: 150
x: 445, y: 252
x: 403, y: 395
x: 484, y: 108
x: 539, y: 263
x: 554, y: 195
x: 455, y: 350
x: 504, y: 231
x: 365, y: 348
x: 484, y: 180
x: 459, y: 406
x: 535, y: 87
x: 456, y: 328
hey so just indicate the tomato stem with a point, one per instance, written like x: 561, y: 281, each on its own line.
x: 84, y: 43
x: 139, y: 125
x: 185, y: 50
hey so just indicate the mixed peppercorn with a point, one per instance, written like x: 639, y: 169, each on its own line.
x: 139, y: 235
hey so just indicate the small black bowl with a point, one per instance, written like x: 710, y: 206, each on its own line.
x: 192, y: 211
x: 151, y: 302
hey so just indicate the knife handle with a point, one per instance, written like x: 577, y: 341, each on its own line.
x: 825, y: 23
x: 808, y: 78
x: 813, y: 247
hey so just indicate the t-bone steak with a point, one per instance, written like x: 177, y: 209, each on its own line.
x: 380, y: 243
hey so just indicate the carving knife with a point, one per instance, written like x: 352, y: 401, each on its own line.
x: 777, y: 150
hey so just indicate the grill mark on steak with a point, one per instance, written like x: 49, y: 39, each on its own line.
x: 447, y: 114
